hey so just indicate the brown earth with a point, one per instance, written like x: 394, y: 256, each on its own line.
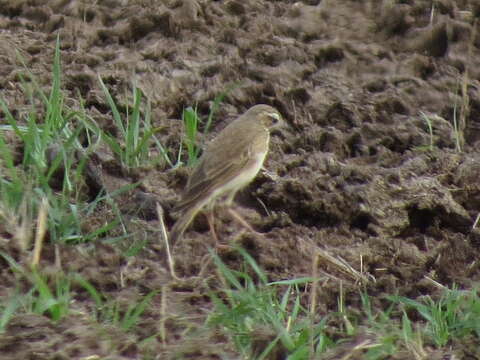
x: 354, y: 176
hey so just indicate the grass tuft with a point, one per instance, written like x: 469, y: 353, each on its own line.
x: 251, y: 310
x: 111, y: 311
x: 136, y: 133
x: 191, y: 121
x: 454, y: 315
x: 52, y: 164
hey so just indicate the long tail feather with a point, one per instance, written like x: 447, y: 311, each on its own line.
x: 182, y: 224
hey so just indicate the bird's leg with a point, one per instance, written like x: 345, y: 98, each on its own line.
x: 242, y: 221
x: 236, y: 215
x: 211, y: 223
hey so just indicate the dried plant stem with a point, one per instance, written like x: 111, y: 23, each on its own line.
x: 40, y: 232
x: 164, y: 238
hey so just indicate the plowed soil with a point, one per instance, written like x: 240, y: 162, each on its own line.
x: 357, y: 175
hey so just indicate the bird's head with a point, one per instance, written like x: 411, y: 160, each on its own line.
x: 267, y: 115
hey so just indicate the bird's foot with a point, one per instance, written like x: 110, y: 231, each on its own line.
x: 223, y: 248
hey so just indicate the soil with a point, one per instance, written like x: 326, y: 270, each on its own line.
x: 358, y: 175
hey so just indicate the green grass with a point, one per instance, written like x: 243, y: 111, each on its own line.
x: 429, y: 122
x: 42, y: 298
x: 192, y: 120
x: 48, y: 173
x: 53, y: 160
x: 456, y: 129
x: 249, y: 303
x: 52, y: 134
x: 459, y: 117
x: 8, y: 309
x: 111, y: 311
x: 53, y: 296
x: 456, y: 314
x: 136, y: 133
x: 246, y: 306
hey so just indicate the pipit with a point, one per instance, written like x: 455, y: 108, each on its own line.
x: 229, y: 162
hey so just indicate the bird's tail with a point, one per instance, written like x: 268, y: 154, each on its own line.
x: 182, y: 224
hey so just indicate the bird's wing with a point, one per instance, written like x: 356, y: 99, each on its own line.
x: 206, y: 184
x: 213, y: 171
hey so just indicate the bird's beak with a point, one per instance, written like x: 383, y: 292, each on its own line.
x: 280, y: 126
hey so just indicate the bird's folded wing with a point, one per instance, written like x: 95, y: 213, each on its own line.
x: 206, y: 179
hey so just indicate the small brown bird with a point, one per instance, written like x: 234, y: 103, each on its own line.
x: 230, y: 162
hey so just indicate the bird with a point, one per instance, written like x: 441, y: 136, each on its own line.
x: 229, y: 163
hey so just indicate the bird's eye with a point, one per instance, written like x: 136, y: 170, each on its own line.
x: 274, y: 116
